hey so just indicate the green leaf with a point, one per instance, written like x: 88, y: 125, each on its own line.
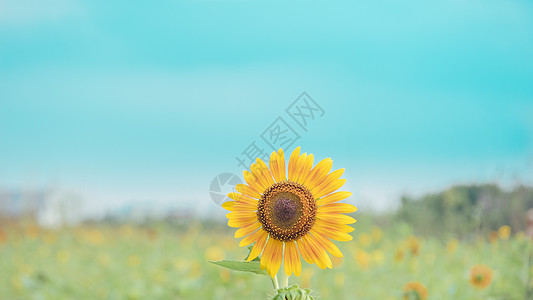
x: 241, y: 265
x: 293, y: 293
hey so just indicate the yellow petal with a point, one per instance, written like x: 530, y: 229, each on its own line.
x: 253, y: 182
x: 267, y: 253
x: 239, y: 198
x: 332, y: 232
x: 287, y: 260
x: 318, y: 173
x: 309, y: 250
x: 281, y: 165
x: 241, y: 214
x: 296, y: 263
x: 273, y: 164
x: 293, y: 164
x: 228, y: 205
x: 335, y: 218
x: 241, y: 222
x: 307, y: 164
x: 324, y: 190
x: 258, y: 246
x: 252, y: 238
x: 247, y: 191
x: 322, y: 255
x: 277, y: 256
x: 242, y: 203
x: 304, y: 251
x: 292, y: 259
x: 243, y: 206
x: 315, y: 253
x: 265, y: 171
x: 299, y: 166
x: 327, y: 180
x: 258, y: 174
x: 325, y: 243
x: 338, y: 196
x: 341, y: 208
x: 246, y: 230
x: 336, y: 226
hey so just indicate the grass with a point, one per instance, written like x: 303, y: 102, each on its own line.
x: 163, y: 262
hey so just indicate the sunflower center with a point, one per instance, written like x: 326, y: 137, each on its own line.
x: 287, y: 210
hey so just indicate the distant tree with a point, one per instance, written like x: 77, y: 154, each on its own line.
x: 466, y: 210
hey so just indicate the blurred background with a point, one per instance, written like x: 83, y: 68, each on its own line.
x: 123, y: 125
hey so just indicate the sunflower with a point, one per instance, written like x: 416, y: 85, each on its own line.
x: 413, y: 244
x: 415, y: 291
x: 480, y: 276
x: 291, y: 214
x: 504, y: 232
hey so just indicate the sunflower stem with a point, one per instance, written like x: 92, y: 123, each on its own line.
x: 284, y: 279
x: 275, y: 282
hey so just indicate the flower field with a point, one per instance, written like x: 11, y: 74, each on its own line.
x: 163, y: 262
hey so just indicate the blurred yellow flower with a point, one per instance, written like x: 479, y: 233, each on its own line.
x: 49, y: 238
x: 376, y: 234
x: 339, y: 280
x: 134, y: 260
x: 160, y: 277
x: 63, y: 256
x: 365, y: 240
x: 415, y: 291
x: 3, y: 237
x: 214, y: 253
x: 16, y: 282
x: 195, y: 270
x: 504, y: 232
x: 225, y: 275
x: 451, y: 247
x: 126, y: 231
x: 493, y: 237
x: 94, y: 236
x: 32, y: 231
x: 413, y: 244
x: 379, y: 257
x: 398, y: 257
x: 480, y: 276
x: 181, y: 264
x: 362, y: 258
x: 26, y: 269
x: 227, y: 242
x: 152, y: 234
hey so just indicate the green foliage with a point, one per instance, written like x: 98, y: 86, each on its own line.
x: 241, y: 265
x: 293, y: 293
x: 466, y: 210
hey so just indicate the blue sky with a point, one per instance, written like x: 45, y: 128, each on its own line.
x: 127, y: 102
